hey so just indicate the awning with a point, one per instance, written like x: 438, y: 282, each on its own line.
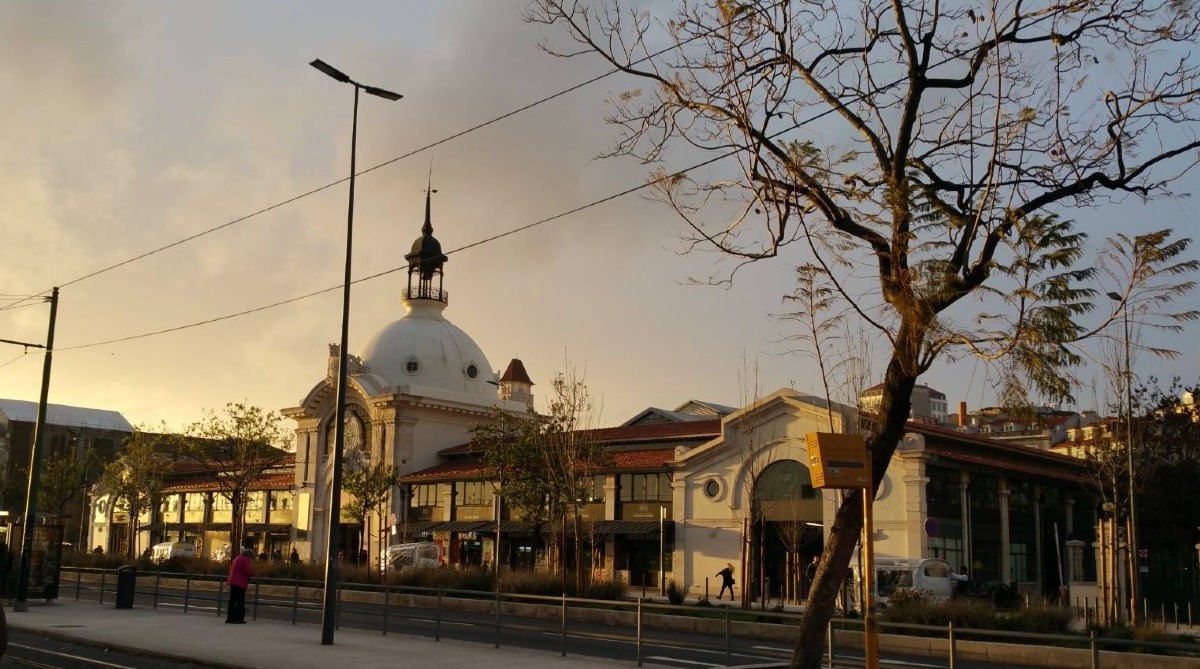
x: 268, y: 527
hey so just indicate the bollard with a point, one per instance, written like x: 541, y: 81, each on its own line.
x: 564, y: 624
x: 1176, y: 616
x: 254, y: 613
x: 79, y: 583
x: 295, y: 599
x: 337, y: 615
x: 157, y: 580
x: 187, y: 592
x: 220, y: 595
x: 103, y: 577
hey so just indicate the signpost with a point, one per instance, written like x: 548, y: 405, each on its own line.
x: 843, y: 461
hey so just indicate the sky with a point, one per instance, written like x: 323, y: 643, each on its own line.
x: 127, y: 126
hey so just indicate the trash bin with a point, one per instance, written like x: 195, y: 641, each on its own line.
x: 126, y: 586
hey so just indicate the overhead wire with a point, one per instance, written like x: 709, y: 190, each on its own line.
x: 409, y: 154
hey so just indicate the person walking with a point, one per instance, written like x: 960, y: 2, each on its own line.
x: 294, y: 558
x: 726, y: 575
x: 810, y: 574
x: 240, y: 571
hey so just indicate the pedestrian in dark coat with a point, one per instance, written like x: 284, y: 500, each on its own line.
x: 726, y: 575
x: 240, y: 571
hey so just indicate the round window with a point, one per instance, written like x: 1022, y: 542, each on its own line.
x: 472, y: 371
x: 712, y: 488
x: 412, y: 366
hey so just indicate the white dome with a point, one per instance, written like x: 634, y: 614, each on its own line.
x: 424, y: 349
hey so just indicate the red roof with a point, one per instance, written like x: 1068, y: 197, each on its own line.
x: 516, y: 372
x: 651, y: 432
x: 282, y: 481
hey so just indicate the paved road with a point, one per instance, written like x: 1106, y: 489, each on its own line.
x: 30, y: 650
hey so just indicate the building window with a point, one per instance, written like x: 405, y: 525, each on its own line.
x: 646, y: 487
x: 712, y: 488
x: 412, y: 366
x: 472, y: 371
x: 426, y: 495
x: 595, y: 493
x: 473, y: 493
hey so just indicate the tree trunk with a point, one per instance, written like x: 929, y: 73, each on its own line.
x: 894, y: 410
x: 237, y: 522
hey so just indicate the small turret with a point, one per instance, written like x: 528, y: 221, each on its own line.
x: 425, y: 262
x: 515, y: 385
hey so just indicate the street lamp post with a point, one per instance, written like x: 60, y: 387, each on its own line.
x: 1133, y: 535
x: 334, y: 508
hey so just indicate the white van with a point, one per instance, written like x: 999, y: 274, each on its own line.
x: 170, y: 549
x: 930, y: 576
x: 420, y: 554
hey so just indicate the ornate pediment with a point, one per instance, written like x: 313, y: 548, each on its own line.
x: 354, y: 365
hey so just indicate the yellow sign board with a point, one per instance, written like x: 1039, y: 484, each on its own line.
x: 838, y: 460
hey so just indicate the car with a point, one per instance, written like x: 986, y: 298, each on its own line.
x: 413, y: 555
x: 171, y: 549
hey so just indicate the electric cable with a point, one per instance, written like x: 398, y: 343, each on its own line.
x: 479, y: 126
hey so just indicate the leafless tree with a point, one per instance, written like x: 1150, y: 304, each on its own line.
x: 925, y: 155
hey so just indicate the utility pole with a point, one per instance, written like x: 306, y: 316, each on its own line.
x: 35, y: 466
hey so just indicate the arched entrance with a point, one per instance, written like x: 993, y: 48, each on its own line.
x: 786, y: 533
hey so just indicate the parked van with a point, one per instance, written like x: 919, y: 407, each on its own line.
x: 420, y: 554
x: 930, y: 576
x: 170, y: 549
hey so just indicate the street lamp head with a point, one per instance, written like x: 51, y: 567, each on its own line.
x: 331, y: 71
x: 382, y: 93
x: 1114, y: 297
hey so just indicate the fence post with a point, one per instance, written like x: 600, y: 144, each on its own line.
x: 564, y: 624
x: 157, y: 580
x: 728, y: 639
x: 829, y: 641
x: 254, y: 614
x: 79, y: 584
x: 497, y: 617
x: 187, y: 592
x: 952, y: 644
x: 103, y: 578
x: 387, y: 595
x: 337, y: 616
x: 295, y: 599
x: 1095, y: 651
x: 437, y: 629
x: 639, y: 627
x: 1176, y: 616
x: 220, y: 595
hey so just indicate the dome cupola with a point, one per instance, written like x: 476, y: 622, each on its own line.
x: 425, y: 262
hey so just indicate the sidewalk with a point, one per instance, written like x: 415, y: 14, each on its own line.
x: 270, y: 644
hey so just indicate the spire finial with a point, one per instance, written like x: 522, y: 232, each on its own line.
x: 427, y: 229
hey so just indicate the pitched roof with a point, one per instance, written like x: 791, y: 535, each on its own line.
x: 280, y: 481
x: 67, y: 416
x: 516, y: 372
x: 627, y: 434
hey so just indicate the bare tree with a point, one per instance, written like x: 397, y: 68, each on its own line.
x: 235, y: 448
x: 934, y: 146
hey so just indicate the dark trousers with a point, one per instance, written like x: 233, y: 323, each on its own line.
x: 722, y: 593
x: 237, y: 605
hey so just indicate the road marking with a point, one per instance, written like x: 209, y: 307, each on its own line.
x: 664, y: 658
x: 70, y: 656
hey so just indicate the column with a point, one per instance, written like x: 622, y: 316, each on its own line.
x: 1005, y: 534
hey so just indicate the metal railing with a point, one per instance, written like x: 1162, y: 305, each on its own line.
x: 652, y: 622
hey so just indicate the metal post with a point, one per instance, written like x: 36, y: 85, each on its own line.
x: 254, y: 613
x: 220, y: 595
x: 497, y: 617
x: 103, y: 578
x: 337, y: 618
x: 157, y: 580
x: 35, y: 466
x: 79, y: 585
x: 728, y: 638
x: 387, y: 595
x: 437, y: 628
x: 952, y: 644
x: 1134, y: 576
x: 870, y: 623
x: 564, y: 624
x: 639, y: 631
x: 829, y: 641
x: 187, y: 592
x: 1095, y: 651
x: 295, y: 599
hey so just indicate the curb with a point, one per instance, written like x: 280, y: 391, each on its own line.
x: 132, y: 650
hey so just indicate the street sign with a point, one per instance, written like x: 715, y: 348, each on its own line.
x: 931, y: 527
x: 837, y: 460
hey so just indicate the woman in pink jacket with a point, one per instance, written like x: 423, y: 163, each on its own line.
x: 239, y: 579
